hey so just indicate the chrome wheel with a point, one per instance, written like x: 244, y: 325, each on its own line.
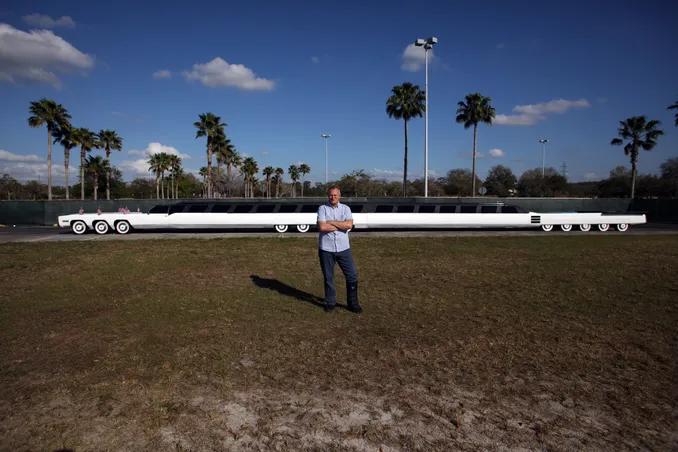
x: 101, y: 227
x: 547, y: 227
x: 303, y: 227
x: 79, y: 227
x: 623, y: 227
x: 584, y: 227
x: 122, y: 227
x: 566, y: 227
x: 281, y: 227
x: 603, y: 227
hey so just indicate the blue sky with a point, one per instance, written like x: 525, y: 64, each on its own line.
x: 281, y: 73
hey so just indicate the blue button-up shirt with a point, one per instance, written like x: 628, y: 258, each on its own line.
x: 335, y: 241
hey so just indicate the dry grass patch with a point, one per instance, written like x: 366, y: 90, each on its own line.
x: 465, y: 343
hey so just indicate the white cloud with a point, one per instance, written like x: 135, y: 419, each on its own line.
x: 139, y: 167
x: 527, y: 115
x: 414, y: 58
x: 218, y: 72
x: 161, y: 74
x: 37, y: 170
x: 11, y: 157
x: 590, y: 176
x: 496, y: 153
x: 44, y: 21
x: 37, y: 56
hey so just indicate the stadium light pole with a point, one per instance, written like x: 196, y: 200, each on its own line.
x: 325, y: 136
x: 543, y: 142
x: 427, y: 44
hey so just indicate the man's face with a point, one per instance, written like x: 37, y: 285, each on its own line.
x: 333, y: 197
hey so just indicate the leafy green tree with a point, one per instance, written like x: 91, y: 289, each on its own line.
x: 9, y: 186
x: 407, y: 101
x: 46, y: 112
x: 248, y: 169
x: 109, y: 140
x: 639, y: 134
x: 531, y: 183
x: 458, y: 182
x: 96, y: 167
x: 279, y: 172
x: 474, y: 109
x: 268, y: 172
x: 304, y: 169
x: 669, y: 175
x: 174, y: 167
x: 500, y: 181
x: 87, y: 140
x: 209, y: 126
x: 293, y: 171
x: 158, y: 164
x: 674, y: 107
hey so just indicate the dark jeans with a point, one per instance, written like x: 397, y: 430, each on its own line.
x: 345, y: 261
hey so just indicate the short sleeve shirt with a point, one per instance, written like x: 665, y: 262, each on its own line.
x: 335, y: 241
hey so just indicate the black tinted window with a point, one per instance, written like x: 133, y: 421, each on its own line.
x: 287, y: 208
x: 405, y: 209
x: 265, y: 208
x: 177, y: 208
x: 197, y: 208
x: 509, y: 209
x: 488, y: 209
x: 220, y: 208
x: 468, y: 209
x: 242, y: 208
x: 427, y: 209
x: 384, y: 209
x: 309, y: 208
x: 356, y: 208
x: 158, y: 209
x: 448, y: 209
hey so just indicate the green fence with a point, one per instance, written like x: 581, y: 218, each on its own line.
x: 46, y: 212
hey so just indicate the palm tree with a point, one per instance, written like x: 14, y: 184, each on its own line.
x: 406, y: 102
x: 293, y: 171
x: 155, y: 165
x: 203, y: 174
x: 109, y: 139
x: 65, y: 136
x: 278, y: 180
x: 248, y: 169
x: 87, y: 140
x: 267, y: 172
x: 475, y: 109
x: 174, y: 166
x: 640, y: 133
x: 304, y: 169
x: 46, y: 112
x: 209, y: 126
x: 96, y: 166
x: 674, y: 107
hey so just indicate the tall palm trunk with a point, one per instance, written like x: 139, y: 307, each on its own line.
x: 82, y: 174
x: 49, y: 163
x: 96, y: 186
x: 209, y: 170
x: 162, y: 185
x: 634, y: 163
x: 157, y: 186
x: 405, y: 163
x: 67, y: 158
x: 473, y: 171
x: 302, y: 188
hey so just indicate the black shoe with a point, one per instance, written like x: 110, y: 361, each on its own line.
x: 328, y: 307
x: 357, y: 309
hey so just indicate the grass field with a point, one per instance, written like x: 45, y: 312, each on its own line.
x: 465, y: 343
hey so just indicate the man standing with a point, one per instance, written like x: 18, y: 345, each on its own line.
x: 334, y: 222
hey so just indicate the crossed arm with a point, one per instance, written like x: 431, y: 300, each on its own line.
x: 330, y: 226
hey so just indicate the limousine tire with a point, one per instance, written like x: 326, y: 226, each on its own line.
x: 547, y: 227
x: 101, y: 227
x: 122, y: 227
x: 603, y: 227
x: 303, y: 227
x: 79, y: 227
x: 622, y: 227
x: 566, y: 227
x: 584, y: 227
x: 281, y: 228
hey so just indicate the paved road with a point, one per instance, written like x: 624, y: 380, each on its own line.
x: 51, y: 234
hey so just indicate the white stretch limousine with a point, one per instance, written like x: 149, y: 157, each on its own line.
x: 367, y: 214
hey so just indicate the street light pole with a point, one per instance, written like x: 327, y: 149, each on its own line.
x: 428, y: 45
x: 543, y: 142
x: 325, y: 136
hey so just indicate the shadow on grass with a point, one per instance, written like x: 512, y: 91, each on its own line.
x: 287, y: 290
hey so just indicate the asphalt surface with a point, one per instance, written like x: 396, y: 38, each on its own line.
x: 52, y: 234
